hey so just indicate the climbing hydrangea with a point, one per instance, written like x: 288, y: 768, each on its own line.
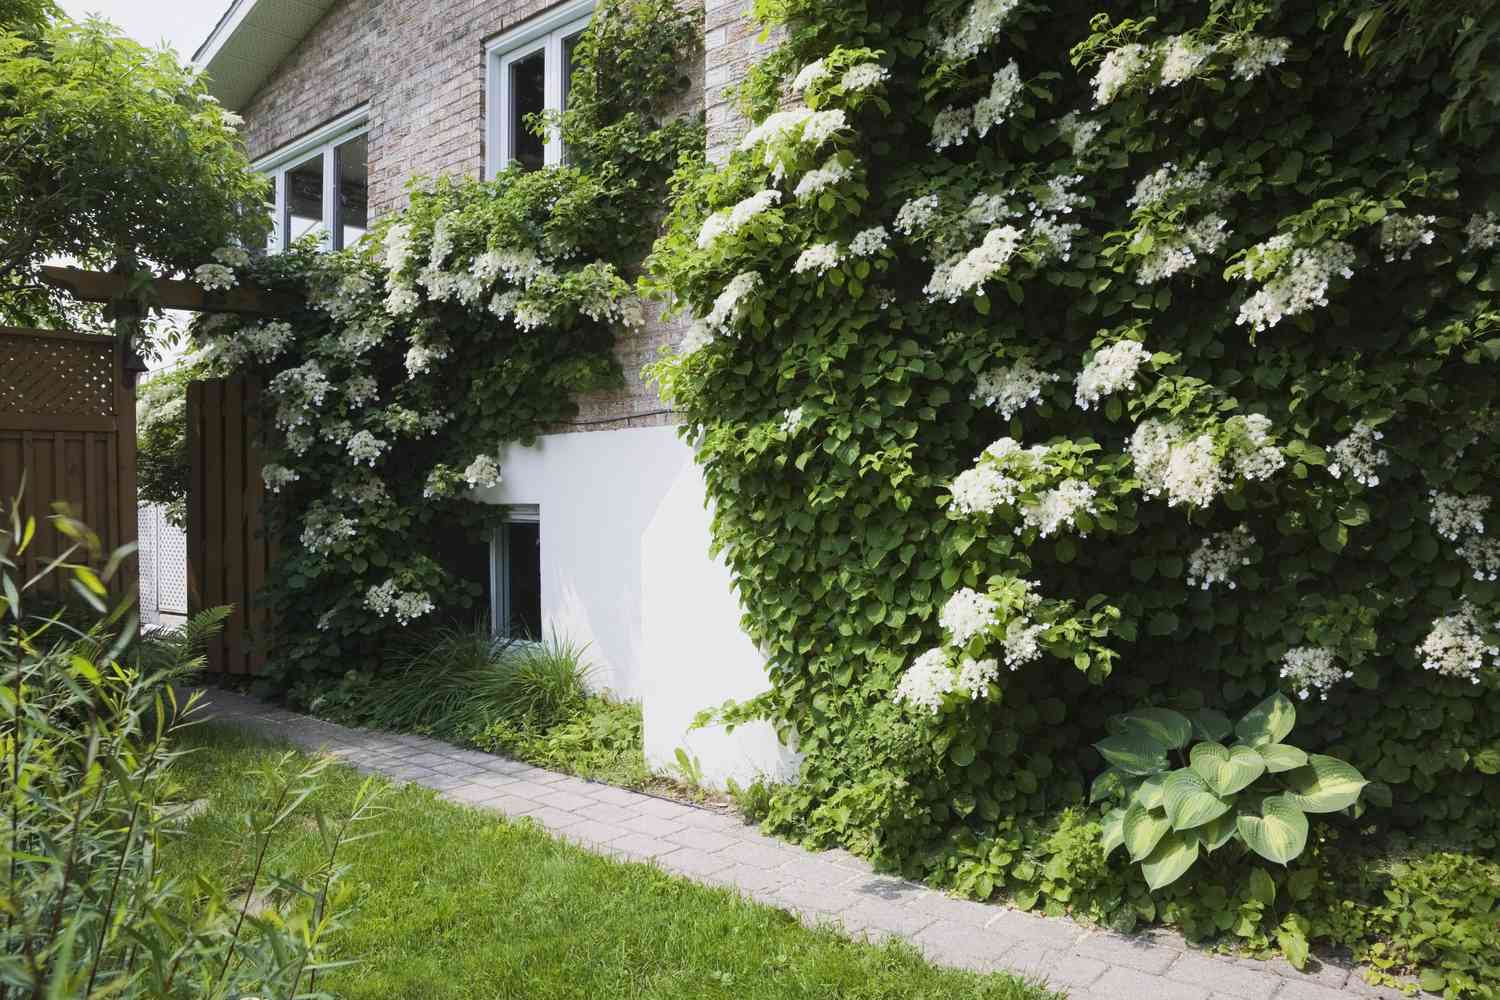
x: 1218, y: 557
x: 1312, y: 668
x: 1110, y: 370
x: 1456, y: 647
x: 1013, y: 388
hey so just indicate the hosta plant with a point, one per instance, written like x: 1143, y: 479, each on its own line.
x: 1256, y: 790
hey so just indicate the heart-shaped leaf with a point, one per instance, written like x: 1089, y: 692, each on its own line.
x: 1171, y: 859
x: 1215, y: 833
x: 1226, y: 769
x: 1280, y: 757
x: 1189, y: 801
x: 1114, y: 830
x: 1279, y: 833
x: 1262, y: 887
x: 1268, y: 722
x: 1211, y: 724
x: 1143, y: 830
x: 1110, y: 784
x: 1148, y: 794
x: 1324, y: 785
x: 1133, y: 753
x: 1160, y: 725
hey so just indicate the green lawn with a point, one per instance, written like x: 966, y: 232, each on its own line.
x: 458, y: 903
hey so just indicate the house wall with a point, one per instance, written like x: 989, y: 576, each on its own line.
x: 626, y: 570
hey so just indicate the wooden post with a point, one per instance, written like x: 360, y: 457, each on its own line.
x: 127, y: 331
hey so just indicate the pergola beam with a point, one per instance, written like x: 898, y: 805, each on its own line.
x: 99, y: 286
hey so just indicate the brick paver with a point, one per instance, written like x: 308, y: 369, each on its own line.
x: 819, y: 887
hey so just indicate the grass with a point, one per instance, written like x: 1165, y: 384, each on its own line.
x: 457, y: 903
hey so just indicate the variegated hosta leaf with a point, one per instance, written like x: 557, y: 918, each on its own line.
x: 1161, y: 725
x: 1149, y: 792
x: 1171, y: 859
x: 1114, y: 830
x: 1281, y: 757
x: 1110, y: 784
x: 1189, y: 801
x: 1133, y: 753
x: 1143, y: 829
x: 1324, y: 785
x: 1215, y: 833
x: 1279, y: 833
x: 1268, y: 722
x: 1226, y: 769
x: 1211, y: 724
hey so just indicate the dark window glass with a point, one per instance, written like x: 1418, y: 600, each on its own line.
x: 568, y: 46
x: 273, y: 241
x: 304, y: 199
x: 528, y: 96
x: 354, y: 190
x: 523, y: 566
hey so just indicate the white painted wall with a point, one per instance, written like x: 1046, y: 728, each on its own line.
x: 625, y: 569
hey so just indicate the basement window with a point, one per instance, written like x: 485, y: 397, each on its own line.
x: 529, y: 71
x: 321, y: 186
x: 516, y: 574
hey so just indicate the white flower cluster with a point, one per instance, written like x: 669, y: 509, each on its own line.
x: 232, y: 256
x: 1057, y: 195
x: 982, y: 489
x: 1483, y: 231
x: 1186, y: 469
x: 1299, y: 284
x: 420, y: 358
x: 965, y: 274
x: 726, y: 310
x: 1402, y: 234
x: 966, y: 614
x: 1111, y: 369
x: 1059, y: 507
x: 980, y: 26
x: 1360, y: 455
x: 975, y: 676
x: 397, y: 245
x: 365, y: 448
x: 1119, y: 70
x: 482, y: 473
x: 298, y: 391
x: 277, y: 476
x: 916, y: 214
x: 1455, y: 516
x: 952, y: 125
x: 1218, y: 556
x: 820, y: 179
x: 791, y: 421
x: 1168, y: 257
x: 1013, y: 388
x: 1171, y: 183
x: 1257, y: 53
x: 727, y: 221
x: 1257, y: 457
x: 324, y: 528
x: 1078, y: 132
x: 863, y: 76
x: 926, y: 681
x: 869, y: 242
x: 361, y: 389
x: 1483, y: 556
x: 214, y: 277
x: 366, y: 492
x: 1182, y: 58
x: 388, y: 600
x: 801, y: 126
x: 809, y: 75
x: 1312, y: 668
x: 820, y: 257
x: 1456, y: 646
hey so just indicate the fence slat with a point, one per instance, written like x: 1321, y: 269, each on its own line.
x: 259, y: 619
x: 235, y: 524
x: 215, y: 532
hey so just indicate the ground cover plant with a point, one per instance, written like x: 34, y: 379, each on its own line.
x: 1051, y: 365
x: 459, y: 903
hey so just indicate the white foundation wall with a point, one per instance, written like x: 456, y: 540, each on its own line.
x: 626, y: 570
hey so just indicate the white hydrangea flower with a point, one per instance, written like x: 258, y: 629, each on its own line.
x: 1057, y: 195
x: 791, y: 421
x: 365, y: 448
x: 869, y: 242
x: 397, y: 244
x: 1209, y: 234
x: 360, y: 389
x: 1119, y: 70
x: 402, y: 300
x: 1401, y: 234
x: 1164, y: 261
x: 267, y: 340
x: 1054, y: 239
x: 820, y: 257
x: 1258, y: 457
x: 531, y: 315
x: 976, y: 676
x: 987, y: 208
x: 926, y: 681
x: 951, y: 127
x: 1111, y: 369
x: 966, y: 614
x: 983, y: 489
x: 214, y: 277
x: 277, y: 476
x: 980, y: 26
x: 1456, y: 647
x: 809, y: 75
x: 823, y: 125
x: 726, y: 308
x: 863, y: 76
x: 1078, y: 132
x: 322, y: 529
x: 917, y: 214
x: 1483, y: 557
x: 298, y: 392
x: 1312, y: 668
x: 1150, y: 451
x: 697, y: 337
x: 1360, y: 455
x: 776, y: 126
x: 816, y: 181
x: 1483, y: 231
x: 1170, y: 183
x: 420, y: 358
x: 1299, y: 285
x: 1022, y: 642
x: 483, y: 472
x: 728, y: 221
x: 1013, y: 388
x: 388, y: 600
x: 1184, y: 56
x: 969, y: 273
x: 1059, y: 507
x: 995, y: 107
x: 1455, y: 516
x: 368, y: 491
x: 1193, y: 475
x: 232, y: 256
x: 1218, y: 556
x: 1258, y: 54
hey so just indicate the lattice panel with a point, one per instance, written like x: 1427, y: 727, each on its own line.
x: 56, y: 377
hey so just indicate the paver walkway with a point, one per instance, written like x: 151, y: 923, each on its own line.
x: 834, y: 886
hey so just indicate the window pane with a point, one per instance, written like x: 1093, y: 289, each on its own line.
x: 304, y: 199
x: 354, y: 190
x: 523, y: 556
x: 569, y: 44
x: 273, y: 241
x: 527, y: 97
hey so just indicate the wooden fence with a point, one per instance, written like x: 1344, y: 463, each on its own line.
x: 67, y: 424
x: 228, y: 550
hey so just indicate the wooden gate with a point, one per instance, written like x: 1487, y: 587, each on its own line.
x: 228, y: 550
x: 67, y: 423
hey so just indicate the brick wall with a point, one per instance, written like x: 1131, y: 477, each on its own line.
x: 420, y: 68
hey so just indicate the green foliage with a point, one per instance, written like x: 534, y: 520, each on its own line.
x: 162, y: 463
x: 112, y: 155
x: 599, y: 739
x: 1255, y: 792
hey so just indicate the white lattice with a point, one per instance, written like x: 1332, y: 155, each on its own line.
x: 163, y: 559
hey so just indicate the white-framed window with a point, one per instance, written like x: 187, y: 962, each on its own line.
x: 528, y: 69
x: 516, y: 574
x: 321, y: 185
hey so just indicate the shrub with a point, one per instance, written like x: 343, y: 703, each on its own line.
x: 600, y: 739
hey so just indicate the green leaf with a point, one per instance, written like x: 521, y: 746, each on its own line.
x: 1109, y: 784
x: 1293, y: 944
x: 1281, y: 757
x: 1162, y: 725
x: 1133, y: 753
x: 1278, y: 834
x: 1216, y: 833
x: 1211, y: 724
x: 1324, y: 785
x: 1226, y: 769
x: 1170, y: 861
x: 1149, y: 792
x: 1113, y: 826
x: 1189, y: 801
x: 1262, y: 887
x: 1268, y: 722
x: 1143, y: 829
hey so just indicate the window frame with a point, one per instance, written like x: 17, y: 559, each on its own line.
x: 500, y: 595
x: 323, y: 141
x: 542, y: 34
